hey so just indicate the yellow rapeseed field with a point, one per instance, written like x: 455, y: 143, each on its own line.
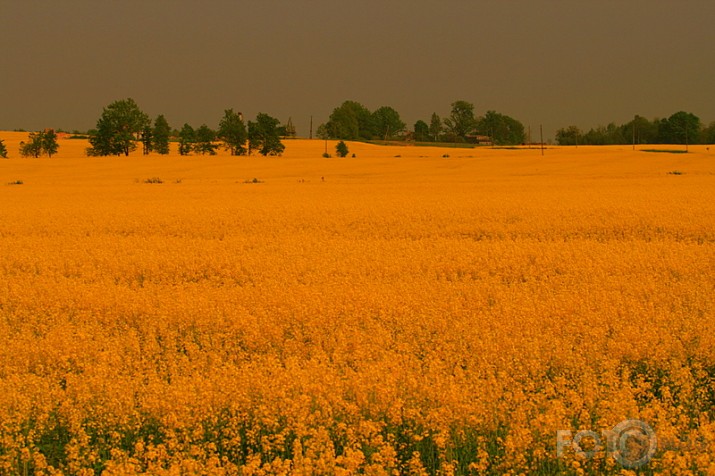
x: 399, y: 312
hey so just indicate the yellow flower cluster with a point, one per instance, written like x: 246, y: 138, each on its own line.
x: 421, y: 315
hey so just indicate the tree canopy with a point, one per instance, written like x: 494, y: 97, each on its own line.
x: 205, y: 138
x: 161, y: 135
x: 708, y: 134
x: 118, y: 129
x: 264, y: 135
x: 350, y: 121
x: 568, y: 135
x: 502, y: 129
x: 187, y: 139
x: 386, y: 122
x: 232, y: 132
x: 41, y: 142
x: 341, y: 150
x: 679, y: 128
x: 33, y: 147
x: 421, y: 130
x: 49, y: 142
x: 147, y: 139
x: 461, y: 120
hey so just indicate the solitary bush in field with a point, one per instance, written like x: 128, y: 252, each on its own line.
x: 3, y: 149
x: 341, y: 150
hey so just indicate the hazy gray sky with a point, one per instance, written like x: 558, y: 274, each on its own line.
x: 556, y: 63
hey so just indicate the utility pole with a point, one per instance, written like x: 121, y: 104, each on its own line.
x: 311, y: 127
x: 541, y: 131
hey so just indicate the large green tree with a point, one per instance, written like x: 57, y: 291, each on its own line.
x: 386, y: 122
x: 350, y: 121
x: 41, y: 142
x: 33, y: 147
x: 461, y: 120
x: 232, y: 132
x: 568, y: 135
x: 680, y: 128
x: 640, y: 130
x: 119, y: 127
x: 49, y: 142
x: 187, y: 139
x: 503, y: 130
x: 264, y: 135
x: 421, y: 131
x: 205, y: 137
x: 161, y: 135
x: 708, y: 134
x: 608, y: 135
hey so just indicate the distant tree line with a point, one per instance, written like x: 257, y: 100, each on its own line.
x: 353, y: 121
x: 680, y: 128
x: 123, y: 125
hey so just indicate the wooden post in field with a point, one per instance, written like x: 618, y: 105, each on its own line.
x: 541, y: 133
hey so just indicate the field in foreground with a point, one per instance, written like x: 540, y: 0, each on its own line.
x: 397, y: 312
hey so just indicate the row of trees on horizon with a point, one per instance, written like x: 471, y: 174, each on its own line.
x: 679, y: 128
x: 123, y: 125
x: 353, y: 121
